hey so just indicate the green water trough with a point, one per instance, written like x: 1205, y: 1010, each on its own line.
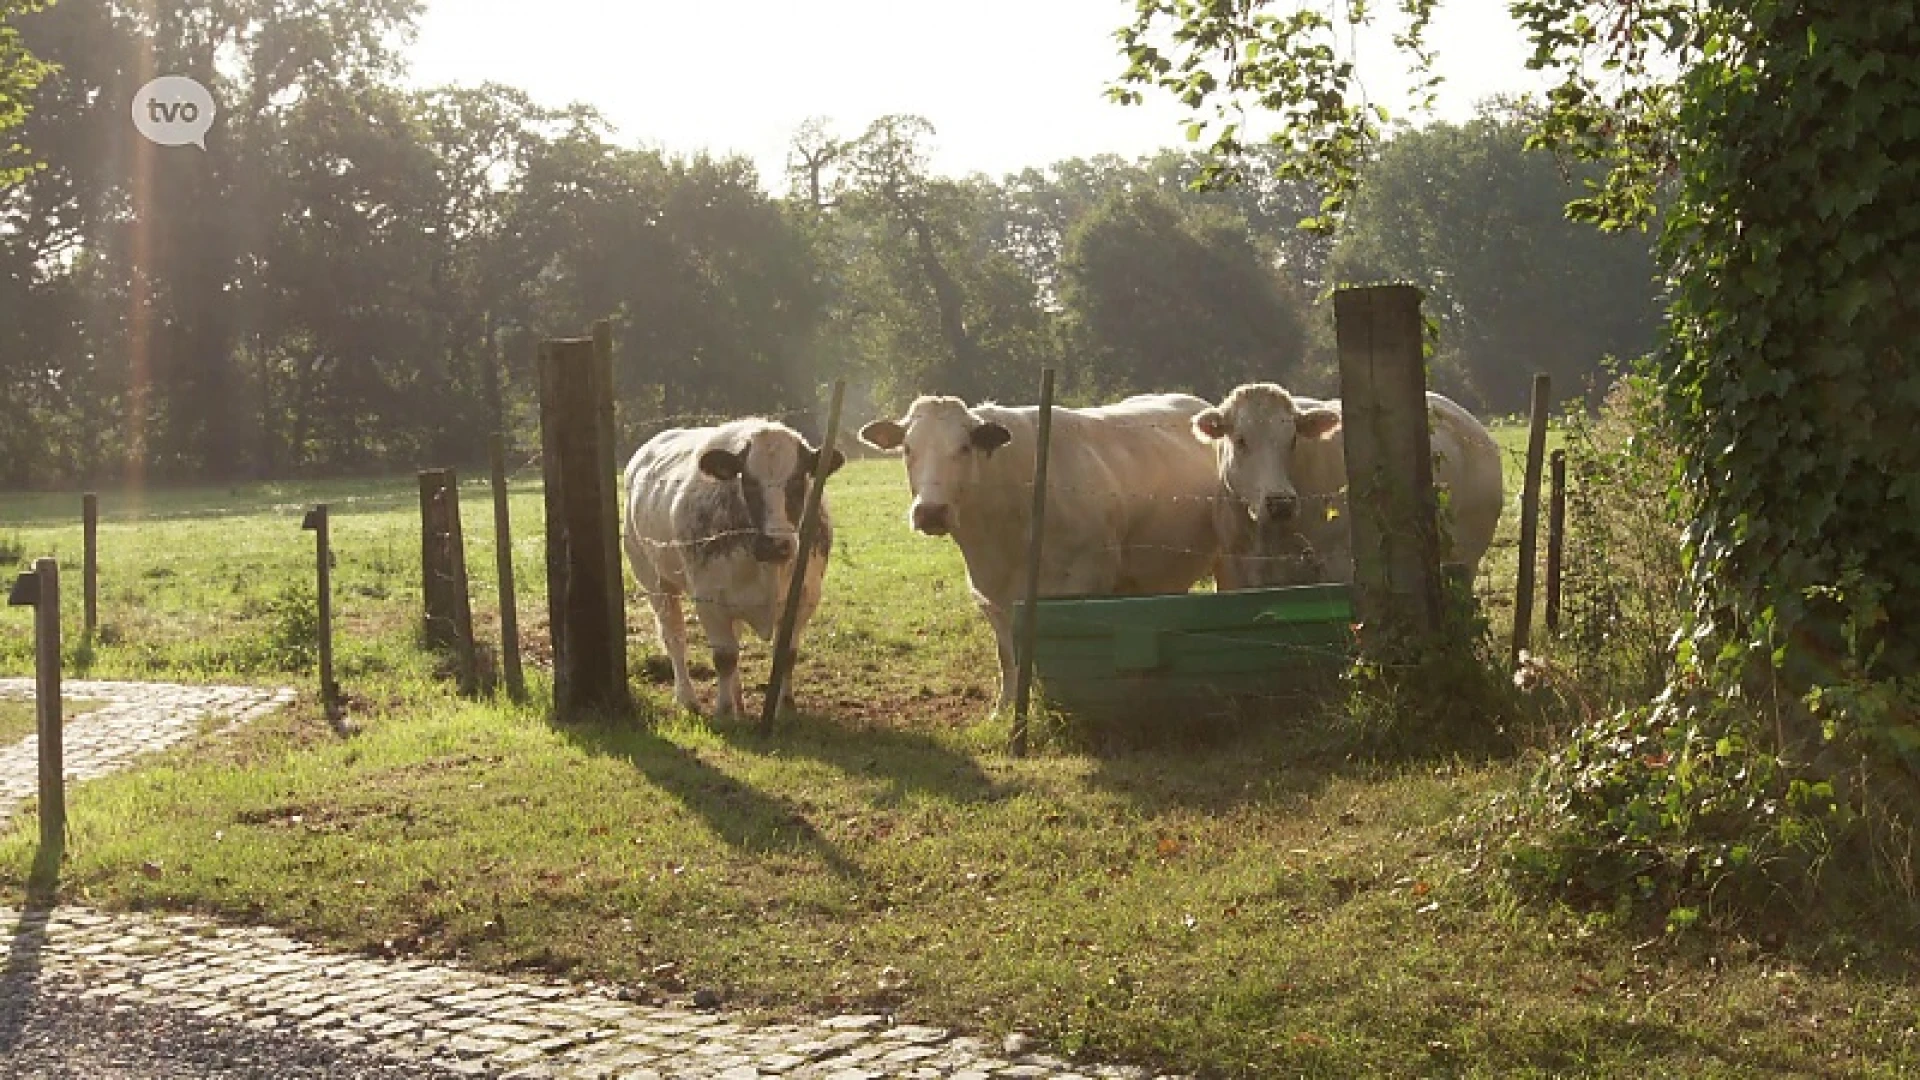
x: 1196, y: 652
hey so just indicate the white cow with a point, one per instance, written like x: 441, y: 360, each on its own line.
x: 1282, y: 465
x: 1129, y: 498
x: 713, y: 513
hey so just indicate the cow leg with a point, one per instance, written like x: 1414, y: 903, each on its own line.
x: 793, y: 649
x: 1003, y: 641
x: 722, y: 635
x: 671, y: 622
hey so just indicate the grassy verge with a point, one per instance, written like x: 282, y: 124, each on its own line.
x: 1248, y: 910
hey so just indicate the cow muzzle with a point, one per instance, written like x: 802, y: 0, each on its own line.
x: 1281, y: 508
x: 773, y: 549
x: 933, y: 520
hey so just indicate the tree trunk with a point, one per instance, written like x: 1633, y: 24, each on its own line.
x: 965, y: 375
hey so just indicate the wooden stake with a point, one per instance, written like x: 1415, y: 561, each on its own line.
x: 1026, y: 629
x: 90, y: 573
x: 503, y: 556
x: 1530, y: 516
x: 317, y: 521
x: 1556, y: 535
x: 809, y: 525
x: 39, y: 589
x: 610, y: 473
x: 1392, y: 510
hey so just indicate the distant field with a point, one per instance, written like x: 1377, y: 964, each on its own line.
x: 210, y: 584
x: 1253, y: 907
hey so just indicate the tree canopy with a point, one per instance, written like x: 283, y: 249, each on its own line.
x: 353, y: 274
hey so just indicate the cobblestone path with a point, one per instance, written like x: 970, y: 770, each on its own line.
x: 134, y: 719
x: 435, y: 1016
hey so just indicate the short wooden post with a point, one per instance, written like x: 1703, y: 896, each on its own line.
x: 317, y: 521
x: 809, y: 525
x: 503, y: 556
x: 39, y: 588
x: 585, y: 676
x: 1028, y: 616
x: 436, y: 602
x: 1556, y: 535
x: 610, y: 469
x: 443, y: 572
x: 90, y: 570
x: 1530, y: 516
x: 1393, y: 512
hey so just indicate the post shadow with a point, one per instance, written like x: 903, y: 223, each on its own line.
x: 746, y: 819
x: 20, y: 976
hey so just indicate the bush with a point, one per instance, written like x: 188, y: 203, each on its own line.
x: 1623, y: 583
x: 1703, y: 807
x: 1448, y: 696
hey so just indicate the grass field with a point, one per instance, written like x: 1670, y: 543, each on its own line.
x: 1255, y: 906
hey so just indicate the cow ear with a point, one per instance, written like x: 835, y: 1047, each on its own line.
x: 810, y: 460
x: 989, y: 436
x: 883, y: 435
x: 1318, y: 423
x: 1210, y: 424
x: 723, y: 464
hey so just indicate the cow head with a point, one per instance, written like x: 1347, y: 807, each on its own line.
x: 1261, y: 433
x: 770, y: 469
x: 944, y: 444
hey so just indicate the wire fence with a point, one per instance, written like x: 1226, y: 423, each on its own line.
x: 853, y: 554
x: 1491, y: 584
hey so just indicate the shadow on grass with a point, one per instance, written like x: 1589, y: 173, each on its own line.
x: 747, y: 819
x: 911, y: 762
x: 1162, y: 756
x: 1565, y: 1047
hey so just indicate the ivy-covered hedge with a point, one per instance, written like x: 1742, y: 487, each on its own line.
x: 1792, y: 371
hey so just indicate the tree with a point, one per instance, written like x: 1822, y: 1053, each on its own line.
x: 1479, y: 222
x: 926, y: 296
x: 1162, y: 298
x: 20, y: 72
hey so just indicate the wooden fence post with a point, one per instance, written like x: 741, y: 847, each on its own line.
x: 610, y: 470
x: 1556, y: 535
x: 1392, y: 509
x: 585, y: 676
x: 1027, y: 625
x: 1530, y: 516
x: 90, y: 571
x: 503, y: 556
x: 317, y: 521
x: 443, y: 573
x: 39, y: 588
x: 809, y: 525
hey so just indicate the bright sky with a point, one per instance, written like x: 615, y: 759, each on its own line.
x: 1006, y: 83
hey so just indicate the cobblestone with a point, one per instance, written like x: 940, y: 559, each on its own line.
x: 458, y: 1021
x: 133, y: 719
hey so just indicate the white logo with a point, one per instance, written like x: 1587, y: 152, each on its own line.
x: 174, y: 110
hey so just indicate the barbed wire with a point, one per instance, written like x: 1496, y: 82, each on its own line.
x: 850, y: 547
